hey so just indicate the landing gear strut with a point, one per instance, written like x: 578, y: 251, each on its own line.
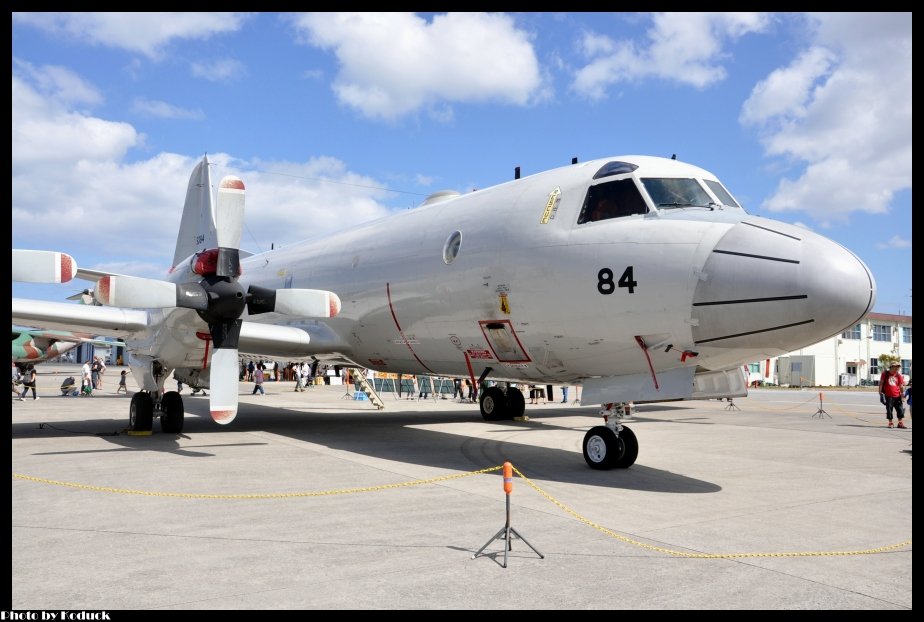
x: 611, y: 445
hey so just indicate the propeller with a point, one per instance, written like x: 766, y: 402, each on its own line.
x: 219, y: 298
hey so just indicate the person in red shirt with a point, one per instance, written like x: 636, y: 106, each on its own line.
x: 891, y: 387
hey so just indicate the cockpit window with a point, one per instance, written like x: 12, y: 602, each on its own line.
x: 613, y: 199
x: 720, y: 191
x: 615, y: 168
x: 672, y: 192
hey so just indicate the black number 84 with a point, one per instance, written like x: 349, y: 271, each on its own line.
x: 606, y: 286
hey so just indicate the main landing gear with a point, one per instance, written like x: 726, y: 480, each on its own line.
x: 500, y: 405
x: 142, y: 408
x: 612, y: 445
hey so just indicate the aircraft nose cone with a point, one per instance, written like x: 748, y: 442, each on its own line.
x: 841, y: 288
x: 773, y: 288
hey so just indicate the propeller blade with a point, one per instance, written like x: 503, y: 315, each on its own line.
x: 223, y: 382
x: 223, y: 377
x: 229, y: 221
x: 138, y: 293
x: 192, y: 296
x: 43, y: 267
x: 260, y: 300
x: 295, y: 302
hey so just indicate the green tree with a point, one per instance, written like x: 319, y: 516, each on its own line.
x: 886, y: 359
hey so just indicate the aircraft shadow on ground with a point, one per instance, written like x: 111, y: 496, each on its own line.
x: 386, y: 435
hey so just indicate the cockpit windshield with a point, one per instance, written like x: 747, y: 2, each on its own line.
x: 613, y: 199
x: 720, y: 191
x: 673, y: 192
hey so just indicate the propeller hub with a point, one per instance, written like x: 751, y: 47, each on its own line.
x: 226, y: 299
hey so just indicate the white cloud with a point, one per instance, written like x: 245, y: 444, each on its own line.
x: 681, y: 47
x: 164, y: 110
x: 71, y: 174
x: 300, y: 200
x: 788, y: 90
x: 46, y: 130
x: 896, y: 241
x: 143, y: 33
x: 222, y: 70
x: 59, y: 82
x: 841, y: 109
x: 394, y: 64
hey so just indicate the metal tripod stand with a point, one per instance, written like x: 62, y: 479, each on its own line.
x: 506, y: 533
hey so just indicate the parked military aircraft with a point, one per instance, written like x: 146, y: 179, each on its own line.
x: 35, y: 346
x: 640, y: 278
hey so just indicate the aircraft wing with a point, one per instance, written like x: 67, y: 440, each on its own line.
x: 111, y: 321
x: 261, y: 339
x: 33, y: 346
x: 93, y: 275
x: 274, y: 341
x: 46, y: 337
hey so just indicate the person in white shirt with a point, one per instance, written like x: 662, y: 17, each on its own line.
x: 85, y: 376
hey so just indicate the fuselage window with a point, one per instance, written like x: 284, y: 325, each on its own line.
x: 451, y: 247
x: 612, y: 200
x: 674, y: 192
x: 720, y: 191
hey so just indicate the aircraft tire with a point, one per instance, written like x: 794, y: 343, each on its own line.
x: 629, y: 449
x: 601, y: 448
x: 141, y: 412
x: 171, y: 417
x: 516, y: 403
x: 494, y: 404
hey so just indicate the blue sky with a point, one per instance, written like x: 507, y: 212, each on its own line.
x: 333, y: 119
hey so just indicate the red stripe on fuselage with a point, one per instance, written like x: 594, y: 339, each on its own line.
x: 401, y: 332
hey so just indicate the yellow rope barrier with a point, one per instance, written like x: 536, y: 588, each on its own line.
x: 444, y: 478
x: 273, y: 495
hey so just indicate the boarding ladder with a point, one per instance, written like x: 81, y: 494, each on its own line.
x: 359, y: 377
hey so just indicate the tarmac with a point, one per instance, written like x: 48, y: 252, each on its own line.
x: 317, y: 501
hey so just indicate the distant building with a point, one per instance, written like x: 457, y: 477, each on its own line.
x: 848, y: 359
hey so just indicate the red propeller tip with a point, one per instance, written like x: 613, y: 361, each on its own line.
x: 103, y: 290
x: 67, y: 268
x: 232, y: 182
x: 223, y: 415
x: 334, y: 304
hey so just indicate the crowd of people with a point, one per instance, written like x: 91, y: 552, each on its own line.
x: 259, y: 372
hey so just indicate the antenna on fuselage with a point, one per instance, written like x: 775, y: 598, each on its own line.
x: 516, y: 173
x: 574, y: 160
x: 673, y: 156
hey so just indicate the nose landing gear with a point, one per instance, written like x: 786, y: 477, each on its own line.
x: 612, y: 445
